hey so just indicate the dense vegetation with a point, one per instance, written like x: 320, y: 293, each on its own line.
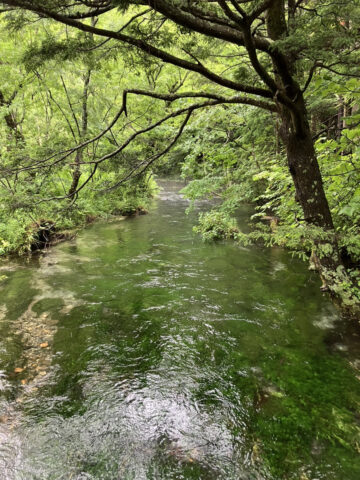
x: 252, y: 101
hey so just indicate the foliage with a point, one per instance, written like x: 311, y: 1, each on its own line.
x: 43, y: 88
x: 19, y: 228
x: 251, y: 167
x: 270, y: 72
x: 214, y: 225
x: 218, y: 92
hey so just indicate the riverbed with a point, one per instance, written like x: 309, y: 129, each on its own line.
x: 137, y: 351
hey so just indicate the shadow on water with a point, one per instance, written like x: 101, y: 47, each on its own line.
x: 139, y: 352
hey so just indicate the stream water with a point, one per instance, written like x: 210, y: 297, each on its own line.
x: 136, y: 351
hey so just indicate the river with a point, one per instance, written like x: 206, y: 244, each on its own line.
x: 137, y: 351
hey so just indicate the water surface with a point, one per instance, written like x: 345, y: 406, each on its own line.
x: 139, y: 352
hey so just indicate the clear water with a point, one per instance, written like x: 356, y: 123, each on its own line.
x: 139, y: 352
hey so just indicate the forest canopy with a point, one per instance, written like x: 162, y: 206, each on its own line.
x: 251, y: 101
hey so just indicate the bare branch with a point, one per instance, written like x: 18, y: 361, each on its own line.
x: 70, y: 105
x: 172, y: 97
x: 147, y: 163
x: 229, y: 13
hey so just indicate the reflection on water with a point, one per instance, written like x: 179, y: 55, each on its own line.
x: 138, y: 352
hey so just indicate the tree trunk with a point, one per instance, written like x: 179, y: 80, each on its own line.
x: 310, y: 194
x: 10, y: 120
x: 306, y: 175
x: 296, y: 135
x: 83, y: 131
x: 76, y: 174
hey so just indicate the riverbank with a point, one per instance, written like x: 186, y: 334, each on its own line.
x: 22, y: 231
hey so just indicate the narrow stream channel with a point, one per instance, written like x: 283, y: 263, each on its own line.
x: 139, y: 352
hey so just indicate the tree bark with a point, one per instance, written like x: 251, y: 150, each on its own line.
x: 83, y: 131
x: 296, y: 135
x: 304, y: 168
x: 10, y: 120
x: 305, y: 172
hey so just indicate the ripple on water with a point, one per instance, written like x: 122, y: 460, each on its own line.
x: 169, y: 358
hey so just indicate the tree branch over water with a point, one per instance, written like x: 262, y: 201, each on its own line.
x: 215, y: 100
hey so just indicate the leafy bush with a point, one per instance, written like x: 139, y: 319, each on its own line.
x: 215, y: 225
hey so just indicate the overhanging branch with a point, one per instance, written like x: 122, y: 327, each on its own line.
x: 147, y: 48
